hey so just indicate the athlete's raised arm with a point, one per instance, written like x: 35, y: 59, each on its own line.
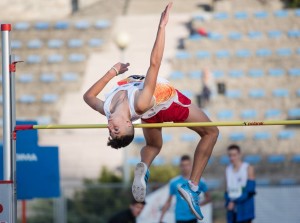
x: 90, y: 96
x: 144, y: 98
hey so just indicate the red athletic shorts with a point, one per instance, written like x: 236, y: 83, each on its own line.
x: 175, y: 113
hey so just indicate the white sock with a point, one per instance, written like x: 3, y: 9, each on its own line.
x: 193, y: 186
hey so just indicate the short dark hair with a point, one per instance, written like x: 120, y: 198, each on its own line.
x: 133, y: 201
x: 185, y: 157
x: 119, y: 142
x: 234, y: 147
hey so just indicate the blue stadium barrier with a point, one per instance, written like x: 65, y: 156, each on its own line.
x: 297, y: 12
x: 35, y: 44
x: 55, y: 43
x: 284, y: 52
x: 102, y: 24
x: 34, y: 59
x: 175, y: 160
x: 294, y: 113
x: 296, y: 158
x: 280, y: 93
x: 82, y: 25
x: 75, y: 43
x: 274, y: 34
x: 55, y: 58
x: 218, y: 74
x: 195, y: 74
x: 211, y: 160
x: 132, y: 161
x: 288, y: 182
x: 202, y: 54
x: 42, y: 25
x: 176, y: 75
x: 16, y: 44
x: 49, y: 98
x: 70, y: 77
x: 188, y: 137
x: 221, y: 16
x: 139, y: 139
x: 27, y: 99
x: 195, y: 37
x: 272, y: 113
x: 167, y: 138
x: 235, y: 36
x: 222, y: 54
x: 294, y: 72
x: 257, y: 93
x: 263, y: 181
x: 44, y: 120
x: 215, y: 36
x: 225, y: 114
x: 248, y: 114
x: 22, y: 26
x: 255, y: 35
x: 237, y: 136
x: 262, y: 136
x: 298, y: 92
x: 298, y: 51
x: 281, y: 14
x: 25, y: 78
x: 263, y: 52
x: 233, y: 94
x: 61, y: 25
x: 47, y: 77
x: 95, y: 42
x: 252, y: 159
x: 255, y: 73
x: 241, y: 15
x: 294, y: 33
x: 236, y: 73
x: 261, y: 14
x: 187, y: 93
x: 286, y: 134
x: 158, y: 161
x: 183, y: 55
x: 243, y: 53
x: 213, y: 184
x: 224, y: 160
x: 276, y: 159
x: 76, y: 58
x: 276, y: 72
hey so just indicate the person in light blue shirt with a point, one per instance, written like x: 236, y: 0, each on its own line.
x: 183, y: 213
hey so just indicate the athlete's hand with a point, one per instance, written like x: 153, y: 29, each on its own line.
x: 230, y: 206
x: 165, y: 15
x: 121, y: 67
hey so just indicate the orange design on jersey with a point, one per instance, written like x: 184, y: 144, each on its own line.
x: 163, y: 92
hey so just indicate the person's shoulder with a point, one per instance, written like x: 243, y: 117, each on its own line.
x: 175, y: 180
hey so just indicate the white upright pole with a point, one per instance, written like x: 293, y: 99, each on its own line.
x: 8, y: 166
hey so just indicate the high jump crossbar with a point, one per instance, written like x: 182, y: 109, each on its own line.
x: 165, y: 124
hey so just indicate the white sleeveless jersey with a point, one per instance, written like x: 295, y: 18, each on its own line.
x: 134, y: 83
x: 236, y: 180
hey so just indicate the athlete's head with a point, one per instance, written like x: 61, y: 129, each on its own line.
x: 121, y: 132
x: 185, y: 165
x: 136, y: 207
x: 234, y: 153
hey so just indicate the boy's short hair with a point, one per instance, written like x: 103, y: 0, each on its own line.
x: 185, y: 157
x: 234, y: 147
x: 122, y: 141
x: 133, y: 202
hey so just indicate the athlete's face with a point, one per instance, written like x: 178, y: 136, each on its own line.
x: 186, y: 167
x: 119, y: 127
x: 234, y: 156
x: 136, y: 209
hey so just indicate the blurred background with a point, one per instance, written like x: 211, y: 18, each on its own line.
x: 237, y: 59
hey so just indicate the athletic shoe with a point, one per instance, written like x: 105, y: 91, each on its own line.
x: 192, y: 198
x: 141, y: 176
